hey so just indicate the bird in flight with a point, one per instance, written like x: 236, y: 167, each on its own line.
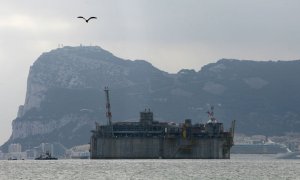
x: 87, y: 20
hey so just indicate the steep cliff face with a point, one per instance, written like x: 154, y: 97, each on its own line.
x: 23, y: 129
x: 75, y: 68
x: 65, y: 95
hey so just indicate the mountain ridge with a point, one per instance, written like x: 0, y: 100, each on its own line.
x: 64, y: 81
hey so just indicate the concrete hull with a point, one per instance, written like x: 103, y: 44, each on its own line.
x: 160, y: 147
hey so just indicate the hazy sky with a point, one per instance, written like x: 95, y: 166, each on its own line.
x: 170, y: 34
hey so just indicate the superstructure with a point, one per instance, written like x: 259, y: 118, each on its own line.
x: 152, y: 139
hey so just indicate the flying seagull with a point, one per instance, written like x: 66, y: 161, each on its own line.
x: 87, y: 20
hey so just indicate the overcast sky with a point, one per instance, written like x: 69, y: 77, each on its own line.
x: 170, y: 34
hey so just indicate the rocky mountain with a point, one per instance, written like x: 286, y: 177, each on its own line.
x: 65, y: 95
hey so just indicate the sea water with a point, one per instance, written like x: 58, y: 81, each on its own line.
x: 252, y: 167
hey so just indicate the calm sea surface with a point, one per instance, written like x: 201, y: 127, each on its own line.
x: 252, y: 167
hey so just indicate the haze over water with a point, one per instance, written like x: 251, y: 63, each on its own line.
x: 171, y: 35
x: 238, y: 167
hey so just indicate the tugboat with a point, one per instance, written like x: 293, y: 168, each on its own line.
x: 46, y: 156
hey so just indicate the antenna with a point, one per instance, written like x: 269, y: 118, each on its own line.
x: 108, y: 112
x: 211, y: 115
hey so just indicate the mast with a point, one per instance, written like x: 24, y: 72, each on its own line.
x: 211, y: 118
x: 108, y: 112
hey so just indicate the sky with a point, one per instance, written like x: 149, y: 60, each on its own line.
x: 170, y: 34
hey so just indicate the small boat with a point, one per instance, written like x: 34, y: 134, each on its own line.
x: 289, y: 155
x: 46, y: 156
